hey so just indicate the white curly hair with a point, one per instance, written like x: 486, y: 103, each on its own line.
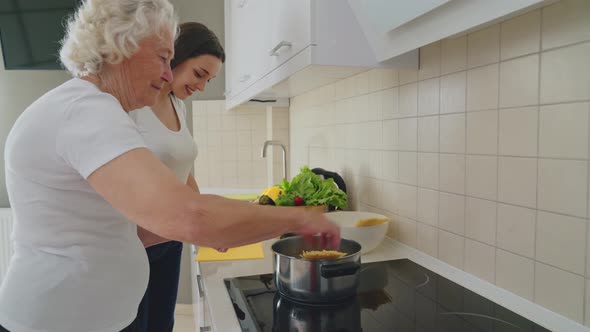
x: 110, y: 30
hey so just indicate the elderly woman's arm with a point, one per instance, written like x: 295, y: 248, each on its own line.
x: 147, y: 192
x: 151, y: 239
x: 192, y: 183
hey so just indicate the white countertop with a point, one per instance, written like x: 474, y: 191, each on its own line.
x: 223, y: 317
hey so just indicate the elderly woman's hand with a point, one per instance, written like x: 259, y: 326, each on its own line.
x: 315, y: 223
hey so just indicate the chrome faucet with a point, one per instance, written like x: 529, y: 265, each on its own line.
x: 267, y: 143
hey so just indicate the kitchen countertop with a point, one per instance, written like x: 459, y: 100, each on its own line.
x: 223, y: 317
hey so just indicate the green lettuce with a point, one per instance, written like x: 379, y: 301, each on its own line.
x: 312, y: 189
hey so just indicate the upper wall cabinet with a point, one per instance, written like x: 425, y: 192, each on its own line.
x: 394, y: 27
x: 281, y: 48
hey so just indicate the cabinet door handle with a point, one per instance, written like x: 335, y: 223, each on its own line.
x: 275, y: 50
x: 245, y: 78
x: 200, y: 286
x: 205, y: 328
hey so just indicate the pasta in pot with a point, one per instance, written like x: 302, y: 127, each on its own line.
x: 322, y: 254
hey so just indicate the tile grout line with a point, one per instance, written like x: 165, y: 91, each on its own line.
x: 438, y: 230
x: 580, y: 101
x: 497, y: 147
x: 537, y: 157
x: 464, y: 153
x: 440, y: 61
x: 497, y: 205
x: 585, y: 302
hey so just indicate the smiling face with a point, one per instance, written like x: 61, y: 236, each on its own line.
x: 194, y: 74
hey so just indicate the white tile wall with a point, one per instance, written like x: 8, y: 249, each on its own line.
x: 230, y: 144
x: 452, y: 92
x: 452, y: 133
x: 482, y: 88
x: 562, y: 186
x: 483, y: 46
x: 428, y: 133
x: 561, y: 241
x: 480, y: 220
x: 482, y: 177
x: 427, y: 239
x: 564, y: 131
x: 520, y: 36
x: 517, y: 181
x: 515, y: 273
x: 428, y: 206
x: 560, y: 291
x: 452, y: 173
x: 566, y: 22
x: 451, y: 213
x: 516, y: 229
x: 451, y: 248
x: 428, y: 170
x: 565, y: 74
x: 453, y: 55
x: 518, y: 132
x: 482, y: 132
x: 408, y: 99
x: 429, y: 92
x: 480, y: 260
x: 519, y: 81
x: 484, y: 151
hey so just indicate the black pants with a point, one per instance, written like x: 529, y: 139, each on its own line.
x: 156, y: 310
x: 134, y: 327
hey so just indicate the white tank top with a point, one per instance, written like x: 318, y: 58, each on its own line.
x: 176, y: 149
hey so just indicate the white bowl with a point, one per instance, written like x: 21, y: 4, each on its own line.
x: 369, y: 237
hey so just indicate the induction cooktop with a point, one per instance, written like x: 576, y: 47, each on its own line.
x: 397, y: 295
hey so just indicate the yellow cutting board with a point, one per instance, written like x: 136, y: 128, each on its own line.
x: 251, y: 251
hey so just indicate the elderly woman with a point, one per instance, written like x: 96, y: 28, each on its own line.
x: 197, y: 60
x: 79, y: 179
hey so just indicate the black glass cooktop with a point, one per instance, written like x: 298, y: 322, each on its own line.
x: 394, y: 295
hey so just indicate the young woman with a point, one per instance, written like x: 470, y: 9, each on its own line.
x: 198, y: 58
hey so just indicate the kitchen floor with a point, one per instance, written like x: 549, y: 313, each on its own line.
x: 183, y: 318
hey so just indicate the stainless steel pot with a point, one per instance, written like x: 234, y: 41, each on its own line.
x: 315, y: 281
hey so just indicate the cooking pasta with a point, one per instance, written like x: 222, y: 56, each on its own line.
x: 322, y: 254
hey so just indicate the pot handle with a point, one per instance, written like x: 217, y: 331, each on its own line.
x: 339, y: 270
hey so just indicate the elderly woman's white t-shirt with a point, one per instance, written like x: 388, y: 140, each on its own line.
x: 176, y: 149
x: 78, y: 264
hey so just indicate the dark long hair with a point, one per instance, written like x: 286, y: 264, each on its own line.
x: 196, y: 39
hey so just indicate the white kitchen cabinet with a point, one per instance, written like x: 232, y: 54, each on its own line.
x: 290, y: 30
x: 281, y: 48
x: 394, y: 27
x: 247, y: 38
x: 201, y: 314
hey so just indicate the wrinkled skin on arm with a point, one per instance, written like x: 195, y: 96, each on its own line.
x: 144, y: 190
